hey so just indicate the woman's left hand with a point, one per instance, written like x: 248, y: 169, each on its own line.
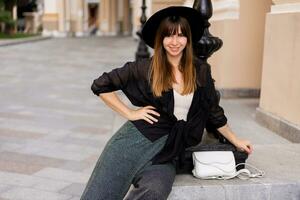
x: 243, y: 145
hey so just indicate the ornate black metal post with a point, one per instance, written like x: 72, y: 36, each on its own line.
x: 205, y: 47
x: 142, y: 51
x: 208, y: 44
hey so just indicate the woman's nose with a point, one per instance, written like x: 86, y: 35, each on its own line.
x: 174, y: 39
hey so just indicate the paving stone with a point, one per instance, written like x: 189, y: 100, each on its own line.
x: 11, y: 115
x: 19, y: 167
x: 81, y: 141
x: 75, y: 166
x: 51, y: 185
x: 75, y: 189
x: 65, y: 175
x: 75, y: 198
x: 92, y: 130
x: 6, y: 146
x: 19, y: 134
x: 24, y: 126
x: 31, y: 159
x: 4, y: 187
x: 17, y: 179
x: 20, y: 193
x: 57, y: 150
x: 61, y: 154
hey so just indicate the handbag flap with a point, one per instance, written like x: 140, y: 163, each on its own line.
x: 214, y: 157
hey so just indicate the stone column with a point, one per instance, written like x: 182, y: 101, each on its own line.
x: 79, y: 18
x: 104, y: 17
x: 108, y: 17
x: 61, y: 19
x: 15, y: 16
x: 50, y: 18
x: 113, y: 18
x: 279, y: 106
x: 68, y: 16
x: 85, y: 18
x: 126, y: 17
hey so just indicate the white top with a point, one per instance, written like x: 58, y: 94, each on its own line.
x: 182, y: 104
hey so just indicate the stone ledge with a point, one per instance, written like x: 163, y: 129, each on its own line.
x: 237, y: 191
x: 239, y: 93
x: 281, y: 182
x: 278, y: 125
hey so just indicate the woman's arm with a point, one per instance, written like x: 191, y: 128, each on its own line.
x: 243, y: 145
x: 113, y: 101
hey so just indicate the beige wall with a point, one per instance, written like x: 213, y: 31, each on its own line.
x: 280, y: 92
x: 159, y: 4
x: 237, y: 65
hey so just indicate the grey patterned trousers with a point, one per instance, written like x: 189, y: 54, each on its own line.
x: 125, y: 160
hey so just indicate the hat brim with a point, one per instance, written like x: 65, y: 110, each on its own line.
x: 194, y: 18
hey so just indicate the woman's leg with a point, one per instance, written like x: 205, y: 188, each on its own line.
x: 154, y: 182
x: 123, y: 156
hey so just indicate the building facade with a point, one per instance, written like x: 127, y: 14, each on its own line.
x: 258, y: 58
x: 86, y: 17
x: 96, y: 17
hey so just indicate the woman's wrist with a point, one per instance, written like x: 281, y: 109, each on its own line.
x: 235, y: 141
x: 128, y: 114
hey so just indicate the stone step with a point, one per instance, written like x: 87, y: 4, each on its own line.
x: 281, y: 182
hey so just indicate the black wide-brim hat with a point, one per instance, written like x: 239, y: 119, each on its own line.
x: 193, y: 16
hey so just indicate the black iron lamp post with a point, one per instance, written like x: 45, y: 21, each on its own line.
x: 142, y: 51
x: 205, y: 47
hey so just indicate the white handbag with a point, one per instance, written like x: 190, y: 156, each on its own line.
x: 220, y: 165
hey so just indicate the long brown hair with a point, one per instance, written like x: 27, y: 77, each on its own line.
x: 161, y: 74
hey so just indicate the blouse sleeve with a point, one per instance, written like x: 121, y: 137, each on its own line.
x: 216, y: 116
x: 117, y: 79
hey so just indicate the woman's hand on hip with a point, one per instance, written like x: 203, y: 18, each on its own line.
x: 146, y: 113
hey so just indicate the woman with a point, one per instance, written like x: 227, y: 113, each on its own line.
x: 176, y: 96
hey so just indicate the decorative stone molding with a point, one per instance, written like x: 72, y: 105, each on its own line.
x: 225, y: 9
x: 285, y: 1
x: 285, y: 8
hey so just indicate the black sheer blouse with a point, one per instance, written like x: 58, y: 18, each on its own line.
x: 132, y: 79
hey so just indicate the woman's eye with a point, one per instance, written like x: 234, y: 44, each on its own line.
x: 181, y: 35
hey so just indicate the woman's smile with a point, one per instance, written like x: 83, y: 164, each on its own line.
x: 175, y: 44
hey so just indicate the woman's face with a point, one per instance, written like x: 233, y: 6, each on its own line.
x: 174, y: 44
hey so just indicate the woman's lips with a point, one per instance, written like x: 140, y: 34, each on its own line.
x: 174, y: 49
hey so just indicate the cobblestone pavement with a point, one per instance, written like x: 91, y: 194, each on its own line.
x: 52, y: 128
